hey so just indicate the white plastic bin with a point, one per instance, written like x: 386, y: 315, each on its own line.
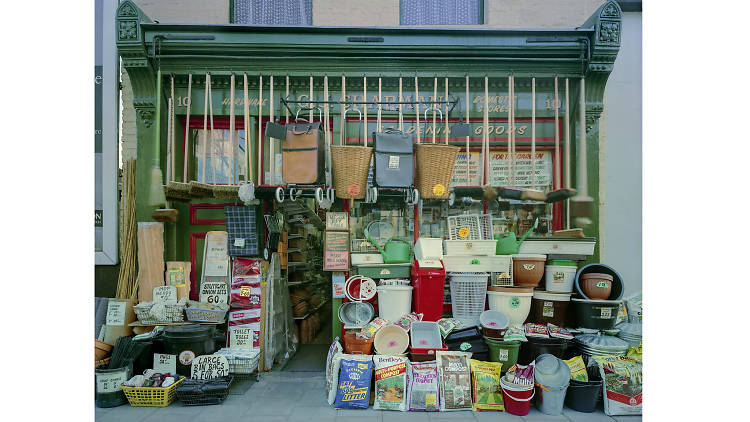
x: 394, y: 301
x: 513, y: 303
x: 470, y: 247
x: 559, y: 278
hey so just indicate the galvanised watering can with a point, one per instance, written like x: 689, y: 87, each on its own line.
x: 507, y: 243
x: 395, y: 251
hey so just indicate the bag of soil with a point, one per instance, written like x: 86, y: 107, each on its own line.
x: 455, y: 380
x: 424, y: 387
x: 354, y: 384
x: 485, y: 377
x: 622, y: 389
x: 390, y: 382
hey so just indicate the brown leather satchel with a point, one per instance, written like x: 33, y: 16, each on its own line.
x: 303, y: 154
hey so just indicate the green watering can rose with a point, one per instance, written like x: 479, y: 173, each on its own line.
x: 395, y: 251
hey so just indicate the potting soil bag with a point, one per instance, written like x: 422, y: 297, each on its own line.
x: 577, y: 369
x: 332, y: 373
x: 535, y: 330
x: 391, y: 381
x: 354, y: 384
x: 424, y: 387
x: 455, y: 380
x: 636, y: 353
x: 485, y: 377
x: 623, y: 384
x: 558, y: 332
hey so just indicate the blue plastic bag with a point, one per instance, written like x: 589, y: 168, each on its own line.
x: 354, y: 384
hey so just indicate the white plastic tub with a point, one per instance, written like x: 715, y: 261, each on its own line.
x: 513, y: 303
x: 394, y: 302
x: 470, y: 247
x: 426, y: 335
x: 559, y: 278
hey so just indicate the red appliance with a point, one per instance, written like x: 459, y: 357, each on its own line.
x: 429, y: 284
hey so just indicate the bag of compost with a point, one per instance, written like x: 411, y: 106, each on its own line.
x: 354, y: 384
x: 332, y: 366
x: 622, y: 388
x: 424, y: 387
x: 455, y: 380
x: 390, y: 382
x: 485, y: 377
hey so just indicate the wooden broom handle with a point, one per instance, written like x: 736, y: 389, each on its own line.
x: 380, y: 100
x: 171, y: 132
x: 445, y: 107
x: 260, y: 130
x: 343, y: 111
x: 533, y: 132
x: 211, y: 117
x: 205, y: 129
x: 185, y: 151
x: 416, y: 105
x: 400, y: 105
x: 509, y: 160
x: 246, y: 115
x: 271, y: 146
x: 434, y: 109
x: 557, y: 139
x: 364, y: 94
x: 466, y: 111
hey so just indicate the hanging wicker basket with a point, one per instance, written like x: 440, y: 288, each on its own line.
x: 435, y: 164
x: 351, y: 165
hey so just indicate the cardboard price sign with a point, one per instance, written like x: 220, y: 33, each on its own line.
x: 339, y: 282
x: 208, y: 367
x: 110, y: 383
x: 116, y: 313
x: 165, y: 363
x: 336, y: 261
x: 338, y: 221
x: 214, y: 292
x: 166, y: 294
x: 241, y: 338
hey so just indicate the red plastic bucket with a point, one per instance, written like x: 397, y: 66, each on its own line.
x: 517, y: 399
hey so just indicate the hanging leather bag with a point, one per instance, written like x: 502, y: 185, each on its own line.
x: 303, y: 154
x: 394, y: 159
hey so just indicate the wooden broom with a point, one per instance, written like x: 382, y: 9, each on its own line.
x: 201, y: 189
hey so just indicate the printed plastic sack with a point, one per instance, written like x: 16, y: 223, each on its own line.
x: 623, y: 384
x: 455, y: 380
x: 485, y: 377
x: 514, y: 332
x: 246, y: 267
x: 406, y: 320
x: 535, y: 330
x: 577, y: 369
x: 391, y: 381
x: 332, y: 366
x: 245, y: 292
x: 447, y: 325
x: 424, y: 387
x: 372, y: 327
x: 354, y: 384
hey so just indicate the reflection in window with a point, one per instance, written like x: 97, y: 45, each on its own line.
x: 219, y: 157
x: 272, y: 12
x: 441, y: 12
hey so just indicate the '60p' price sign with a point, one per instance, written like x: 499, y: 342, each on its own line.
x: 214, y: 292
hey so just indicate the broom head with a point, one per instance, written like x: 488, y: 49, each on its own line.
x: 165, y: 215
x: 200, y: 190
x: 226, y: 191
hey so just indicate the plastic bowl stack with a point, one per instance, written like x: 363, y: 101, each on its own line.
x: 631, y: 333
x: 597, y: 345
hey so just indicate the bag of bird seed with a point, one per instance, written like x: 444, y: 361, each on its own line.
x: 391, y: 380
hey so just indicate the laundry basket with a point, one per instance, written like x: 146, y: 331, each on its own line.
x: 468, y: 295
x: 435, y: 165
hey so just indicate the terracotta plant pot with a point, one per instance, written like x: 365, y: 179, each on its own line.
x: 597, y: 286
x: 528, y: 270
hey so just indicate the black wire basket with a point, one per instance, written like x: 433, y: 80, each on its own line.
x: 204, y: 392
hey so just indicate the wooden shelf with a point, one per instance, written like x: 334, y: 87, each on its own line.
x: 313, y: 311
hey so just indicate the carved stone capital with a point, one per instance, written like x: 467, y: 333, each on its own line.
x: 145, y: 111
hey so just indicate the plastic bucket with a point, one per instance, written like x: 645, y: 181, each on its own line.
x: 108, y: 382
x: 559, y: 278
x: 505, y: 352
x: 394, y: 301
x: 536, y: 347
x: 583, y: 396
x: 595, y: 314
x: 514, y: 304
x: 517, y: 399
x: 549, y: 308
x: 353, y: 345
x: 550, y: 400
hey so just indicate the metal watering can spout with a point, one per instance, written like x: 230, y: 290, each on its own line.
x: 533, y: 227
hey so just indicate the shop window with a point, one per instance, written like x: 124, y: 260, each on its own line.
x: 272, y: 12
x: 441, y: 12
x: 218, y: 156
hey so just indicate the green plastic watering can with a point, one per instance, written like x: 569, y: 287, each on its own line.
x: 395, y: 251
x: 507, y: 243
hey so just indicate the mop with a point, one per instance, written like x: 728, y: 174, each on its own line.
x: 230, y: 190
x: 199, y: 189
x: 156, y: 192
x: 179, y: 191
x: 582, y: 205
x: 561, y: 194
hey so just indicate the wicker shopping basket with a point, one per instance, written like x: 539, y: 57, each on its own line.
x: 435, y: 164
x: 351, y: 164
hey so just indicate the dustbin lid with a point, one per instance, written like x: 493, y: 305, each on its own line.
x: 551, y: 371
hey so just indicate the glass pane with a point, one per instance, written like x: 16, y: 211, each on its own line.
x: 228, y: 167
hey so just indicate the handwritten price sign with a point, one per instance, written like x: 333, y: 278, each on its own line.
x: 214, y: 292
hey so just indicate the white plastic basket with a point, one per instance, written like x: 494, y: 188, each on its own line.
x: 468, y: 296
x: 478, y: 225
x: 241, y: 361
x: 501, y: 279
x: 172, y: 313
x: 470, y: 247
x: 205, y: 315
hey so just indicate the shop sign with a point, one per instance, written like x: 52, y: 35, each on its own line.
x: 336, y: 261
x: 116, y: 313
x: 338, y: 221
x: 214, y: 292
x: 241, y: 338
x: 164, y: 364
x: 339, y: 283
x: 166, y: 294
x: 209, y: 367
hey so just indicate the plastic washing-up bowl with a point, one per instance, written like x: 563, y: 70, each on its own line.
x: 617, y: 282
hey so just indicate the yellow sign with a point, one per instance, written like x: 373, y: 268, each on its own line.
x: 463, y: 232
x: 438, y: 190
